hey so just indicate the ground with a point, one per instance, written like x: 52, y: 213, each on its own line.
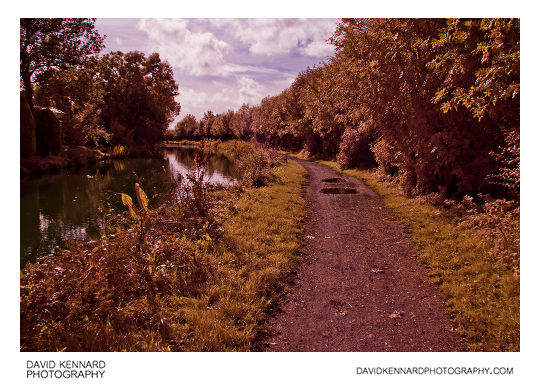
x: 359, y: 286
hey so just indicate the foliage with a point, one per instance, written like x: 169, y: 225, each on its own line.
x: 137, y: 100
x: 48, y: 132
x: 183, y: 288
x: 507, y: 175
x: 54, y: 43
x: 205, y: 125
x: 240, y: 123
x: 186, y: 128
x: 254, y: 162
x: 72, y: 91
x: 119, y: 152
x: 496, y: 224
x: 354, y: 148
x: 118, y: 99
x: 221, y: 125
x: 386, y: 156
x: 441, y: 98
x: 28, y: 129
x: 191, y: 193
x: 137, y: 213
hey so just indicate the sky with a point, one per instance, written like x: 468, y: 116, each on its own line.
x: 220, y: 64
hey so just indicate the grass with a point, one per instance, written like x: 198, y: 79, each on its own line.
x: 481, y: 292
x: 191, y: 284
x: 257, y: 253
x: 183, y: 142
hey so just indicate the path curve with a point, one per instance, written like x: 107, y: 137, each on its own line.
x: 360, y: 286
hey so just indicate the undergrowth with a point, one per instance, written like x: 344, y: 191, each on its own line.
x: 472, y: 254
x: 196, y: 274
x: 252, y: 159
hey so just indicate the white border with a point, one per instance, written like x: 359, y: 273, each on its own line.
x: 269, y: 368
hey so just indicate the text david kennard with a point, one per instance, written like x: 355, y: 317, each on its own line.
x: 65, y: 369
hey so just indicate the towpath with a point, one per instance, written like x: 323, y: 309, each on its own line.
x: 360, y: 286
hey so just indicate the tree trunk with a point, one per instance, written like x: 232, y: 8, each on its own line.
x: 27, y: 86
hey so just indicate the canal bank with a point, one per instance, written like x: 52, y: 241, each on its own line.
x: 73, y: 203
x: 191, y: 277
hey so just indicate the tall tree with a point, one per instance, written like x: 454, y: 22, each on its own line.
x: 54, y: 43
x: 137, y: 99
x: 206, y: 123
x: 241, y: 122
x: 187, y: 127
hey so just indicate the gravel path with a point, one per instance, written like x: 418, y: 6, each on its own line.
x: 360, y: 286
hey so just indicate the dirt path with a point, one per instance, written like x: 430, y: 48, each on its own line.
x: 360, y: 286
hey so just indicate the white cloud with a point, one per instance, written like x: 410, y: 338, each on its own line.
x: 199, y: 53
x: 281, y: 36
x: 318, y: 49
x: 220, y: 97
x: 250, y: 91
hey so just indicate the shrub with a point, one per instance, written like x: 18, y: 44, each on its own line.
x: 386, y: 156
x: 254, y: 161
x: 119, y: 151
x: 48, y: 132
x: 106, y: 296
x: 28, y: 129
x: 497, y: 226
x: 354, y: 148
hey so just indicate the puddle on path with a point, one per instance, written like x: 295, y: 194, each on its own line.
x: 338, y: 190
x: 333, y: 180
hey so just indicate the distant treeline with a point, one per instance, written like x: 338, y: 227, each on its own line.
x: 433, y: 102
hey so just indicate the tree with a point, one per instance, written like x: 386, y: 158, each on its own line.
x: 241, y: 122
x: 205, y: 124
x: 69, y: 90
x: 28, y: 129
x: 220, y: 126
x: 54, y: 43
x: 48, y: 132
x: 186, y: 128
x: 136, y: 97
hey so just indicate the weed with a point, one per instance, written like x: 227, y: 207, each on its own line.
x: 119, y: 151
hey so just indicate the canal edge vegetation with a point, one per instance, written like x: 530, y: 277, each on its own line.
x: 464, y: 251
x: 206, y: 288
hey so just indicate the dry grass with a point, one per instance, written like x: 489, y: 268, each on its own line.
x: 187, y: 284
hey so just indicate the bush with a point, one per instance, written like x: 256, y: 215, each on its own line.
x: 253, y: 161
x: 354, y: 148
x: 28, y: 129
x: 386, y: 156
x: 48, y: 132
x: 119, y: 152
x: 497, y: 226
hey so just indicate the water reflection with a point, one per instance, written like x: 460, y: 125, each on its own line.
x: 57, y: 207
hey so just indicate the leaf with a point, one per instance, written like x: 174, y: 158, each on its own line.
x: 127, y: 201
x: 141, y: 197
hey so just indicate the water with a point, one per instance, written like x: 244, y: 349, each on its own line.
x: 70, y: 205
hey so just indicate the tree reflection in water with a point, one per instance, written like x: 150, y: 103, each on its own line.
x: 55, y: 208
